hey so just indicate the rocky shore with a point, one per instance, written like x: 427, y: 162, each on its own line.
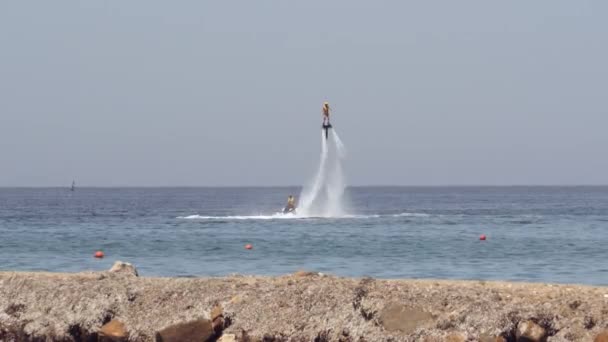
x: 117, y: 305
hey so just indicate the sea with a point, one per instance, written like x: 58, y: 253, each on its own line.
x: 533, y: 234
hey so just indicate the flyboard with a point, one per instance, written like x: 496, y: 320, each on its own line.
x: 326, y: 127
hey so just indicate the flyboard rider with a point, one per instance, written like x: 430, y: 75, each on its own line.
x: 326, y: 110
x: 326, y: 125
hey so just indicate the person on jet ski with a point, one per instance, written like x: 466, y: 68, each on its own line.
x: 291, y: 204
x: 326, y: 110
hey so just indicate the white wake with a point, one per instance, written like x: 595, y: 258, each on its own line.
x: 281, y: 216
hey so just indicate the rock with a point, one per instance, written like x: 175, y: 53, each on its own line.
x: 113, y: 331
x: 199, y: 330
x: 529, y: 331
x: 301, y: 274
x: 487, y: 338
x: 574, y: 304
x: 245, y: 337
x: 601, y: 337
x: 123, y: 267
x: 445, y: 324
x: 397, y: 317
x: 217, y: 318
x: 217, y: 312
x: 455, y: 337
x: 227, y: 338
x: 14, y: 310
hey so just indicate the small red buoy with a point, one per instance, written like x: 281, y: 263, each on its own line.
x: 482, y: 237
x: 248, y: 246
x: 99, y: 254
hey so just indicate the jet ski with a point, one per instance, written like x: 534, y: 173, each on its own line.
x: 291, y: 210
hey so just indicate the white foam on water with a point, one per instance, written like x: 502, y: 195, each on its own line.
x: 281, y: 216
x: 361, y: 216
x: 278, y: 216
x: 239, y: 217
x: 411, y: 214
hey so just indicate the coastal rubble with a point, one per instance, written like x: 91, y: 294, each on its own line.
x: 123, y: 267
x: 304, y: 306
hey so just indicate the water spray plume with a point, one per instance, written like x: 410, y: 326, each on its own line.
x: 309, y: 194
x: 325, y: 195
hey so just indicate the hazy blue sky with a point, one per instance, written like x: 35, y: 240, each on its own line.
x: 229, y: 92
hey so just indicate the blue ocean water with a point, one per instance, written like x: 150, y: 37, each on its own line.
x: 540, y: 234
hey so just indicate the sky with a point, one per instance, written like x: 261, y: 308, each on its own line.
x: 229, y: 93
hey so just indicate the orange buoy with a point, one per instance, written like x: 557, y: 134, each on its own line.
x: 248, y: 246
x: 482, y: 237
x: 99, y: 254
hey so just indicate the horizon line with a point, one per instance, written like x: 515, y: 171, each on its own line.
x: 300, y: 186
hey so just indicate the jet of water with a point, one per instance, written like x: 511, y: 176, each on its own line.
x: 325, y: 196
x: 339, y: 144
x: 310, y: 193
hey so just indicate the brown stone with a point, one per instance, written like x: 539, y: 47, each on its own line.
x: 199, y: 330
x: 601, y: 337
x: 455, y: 337
x: 227, y: 338
x: 488, y: 338
x: 216, y: 312
x: 245, y: 337
x: 123, y: 267
x: 529, y: 331
x: 218, y: 324
x: 113, y: 331
x: 397, y: 317
x: 304, y: 274
x: 217, y: 318
x: 433, y: 339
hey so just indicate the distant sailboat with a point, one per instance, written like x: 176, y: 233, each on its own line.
x: 73, y: 186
